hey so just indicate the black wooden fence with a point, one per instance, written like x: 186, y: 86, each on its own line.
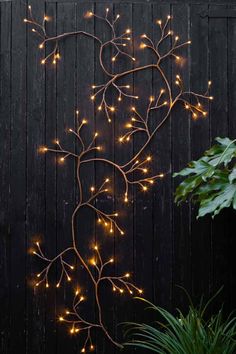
x: 165, y: 246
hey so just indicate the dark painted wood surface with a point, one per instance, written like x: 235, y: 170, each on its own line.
x: 164, y: 245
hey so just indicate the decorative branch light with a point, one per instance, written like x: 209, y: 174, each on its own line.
x: 135, y: 171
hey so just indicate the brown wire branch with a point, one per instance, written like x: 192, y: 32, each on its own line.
x: 135, y: 171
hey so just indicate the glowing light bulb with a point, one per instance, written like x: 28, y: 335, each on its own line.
x: 159, y: 22
x: 81, y: 298
x: 112, y: 109
x: 46, y: 18
x: 41, y: 45
x: 211, y: 98
x: 43, y: 61
x: 149, y: 158
x: 92, y: 97
x: 91, y: 347
x: 33, y: 30
x: 177, y: 57
x: 121, y: 139
x: 68, y: 278
x: 84, y: 121
x: 144, y: 188
x: 133, y: 59
x: 25, y: 20
x: 58, y: 285
x: 113, y: 59
x: 127, y: 275
x: 128, y: 30
x: 168, y: 17
x: 189, y: 42
x: 61, y: 318
x: 127, y: 86
x: 142, y: 45
x: 144, y: 36
x: 209, y: 83
x: 151, y: 98
x: 121, y: 291
x: 176, y: 38
x: 83, y: 350
x: 140, y: 291
x: 47, y: 285
x: 62, y: 159
x: 99, y: 108
x: 114, y: 289
x: 204, y: 114
x: 107, y: 180
x: 117, y: 16
x: 38, y: 275
x: 133, y: 108
x: 111, y: 260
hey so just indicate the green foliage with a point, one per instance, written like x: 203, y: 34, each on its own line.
x: 211, y: 180
x: 190, y: 334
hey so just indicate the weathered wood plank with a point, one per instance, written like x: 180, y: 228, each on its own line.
x: 219, y: 127
x: 180, y: 156
x: 162, y: 213
x: 106, y: 203
x: 143, y: 202
x: 5, y: 148
x: 124, y: 248
x: 17, y: 203
x: 50, y: 237
x: 66, y: 104
x: 35, y: 183
x: 200, y: 229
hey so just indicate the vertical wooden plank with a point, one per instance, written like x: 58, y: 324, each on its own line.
x: 219, y: 127
x: 86, y: 218
x: 5, y: 147
x: 143, y: 229
x: 105, y: 202
x: 17, y: 203
x: 124, y: 247
x: 201, y: 228
x: 180, y: 157
x: 66, y: 21
x: 232, y: 134
x: 50, y: 239
x: 35, y: 181
x: 162, y: 213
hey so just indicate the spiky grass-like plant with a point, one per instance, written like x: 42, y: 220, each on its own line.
x: 184, y: 334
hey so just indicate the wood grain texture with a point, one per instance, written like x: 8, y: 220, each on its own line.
x: 164, y: 245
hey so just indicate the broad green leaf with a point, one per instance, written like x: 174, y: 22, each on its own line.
x: 211, y: 180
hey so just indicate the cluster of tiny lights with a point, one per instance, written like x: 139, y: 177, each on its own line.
x: 134, y: 172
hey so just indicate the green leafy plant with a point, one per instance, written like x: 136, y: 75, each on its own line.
x: 190, y: 334
x: 211, y: 180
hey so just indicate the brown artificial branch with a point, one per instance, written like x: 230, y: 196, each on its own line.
x: 134, y: 171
